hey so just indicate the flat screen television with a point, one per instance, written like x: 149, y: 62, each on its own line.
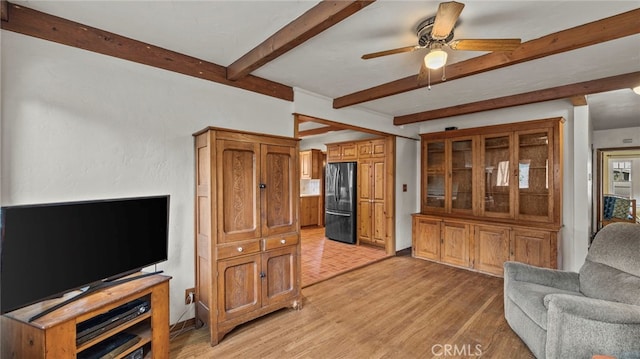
x: 47, y: 250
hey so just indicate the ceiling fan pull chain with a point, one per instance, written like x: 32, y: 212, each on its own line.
x: 444, y: 73
x: 429, y: 79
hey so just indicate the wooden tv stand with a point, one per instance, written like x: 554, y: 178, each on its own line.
x: 54, y: 335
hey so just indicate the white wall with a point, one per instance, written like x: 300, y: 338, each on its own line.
x: 78, y: 125
x: 570, y: 256
x: 407, y: 172
x: 582, y: 185
x: 615, y: 138
x: 318, y: 142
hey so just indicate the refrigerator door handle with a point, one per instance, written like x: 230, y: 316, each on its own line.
x: 338, y: 214
x: 337, y: 183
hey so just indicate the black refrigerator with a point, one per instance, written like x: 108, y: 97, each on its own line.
x: 340, y: 202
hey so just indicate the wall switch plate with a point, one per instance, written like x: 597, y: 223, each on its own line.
x: 189, y: 296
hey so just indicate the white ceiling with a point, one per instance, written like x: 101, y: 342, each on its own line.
x: 329, y: 64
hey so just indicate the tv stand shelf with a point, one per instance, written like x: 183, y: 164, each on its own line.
x: 54, y: 335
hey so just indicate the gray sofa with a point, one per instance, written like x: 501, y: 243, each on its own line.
x: 562, y: 314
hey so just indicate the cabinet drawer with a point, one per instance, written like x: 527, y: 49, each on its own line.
x: 238, y: 249
x: 280, y: 241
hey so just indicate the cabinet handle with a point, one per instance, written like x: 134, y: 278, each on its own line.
x: 283, y: 241
x: 263, y: 274
x: 263, y: 186
x: 240, y: 249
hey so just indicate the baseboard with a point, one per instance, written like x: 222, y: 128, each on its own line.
x: 404, y: 252
x: 182, y: 326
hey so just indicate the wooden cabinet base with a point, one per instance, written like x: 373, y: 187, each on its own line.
x: 54, y: 336
x: 482, y: 245
x: 223, y: 328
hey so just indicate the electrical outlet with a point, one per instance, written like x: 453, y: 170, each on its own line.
x: 189, y: 295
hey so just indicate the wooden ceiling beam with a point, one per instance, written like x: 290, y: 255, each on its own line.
x: 318, y: 131
x: 577, y: 89
x: 579, y: 100
x: 34, y: 23
x: 4, y: 8
x: 299, y: 118
x: 614, y: 27
x: 311, y: 23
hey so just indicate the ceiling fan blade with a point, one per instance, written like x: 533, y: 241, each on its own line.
x: 448, y: 13
x: 391, y: 52
x: 485, y: 44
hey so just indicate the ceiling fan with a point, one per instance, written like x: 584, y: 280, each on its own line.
x: 436, y: 32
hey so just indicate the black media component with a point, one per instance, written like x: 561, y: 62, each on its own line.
x: 47, y: 250
x: 110, y: 347
x: 99, y: 324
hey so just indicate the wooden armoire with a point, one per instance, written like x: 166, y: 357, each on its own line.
x: 247, y: 235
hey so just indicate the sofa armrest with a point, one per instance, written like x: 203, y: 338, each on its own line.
x: 579, y: 327
x: 544, y: 276
x: 594, y: 309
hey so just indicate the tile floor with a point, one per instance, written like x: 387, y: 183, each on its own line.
x: 324, y: 258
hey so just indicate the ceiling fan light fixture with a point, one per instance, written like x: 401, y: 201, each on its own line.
x: 637, y: 90
x: 435, y: 59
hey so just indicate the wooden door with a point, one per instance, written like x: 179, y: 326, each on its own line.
x: 460, y: 186
x: 348, y: 152
x: 534, y: 178
x: 238, y: 286
x: 433, y: 176
x: 238, y: 202
x: 309, y: 211
x: 306, y: 170
x: 531, y: 247
x: 280, y: 275
x: 378, y: 209
x: 364, y: 149
x: 365, y: 210
x: 455, y: 243
x: 378, y: 148
x: 426, y: 238
x: 491, y: 245
x: 333, y: 153
x: 372, y: 216
x: 497, y: 190
x: 277, y: 182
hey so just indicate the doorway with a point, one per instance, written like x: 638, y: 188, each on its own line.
x: 618, y: 172
x: 322, y: 258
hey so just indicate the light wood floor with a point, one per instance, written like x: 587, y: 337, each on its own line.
x: 400, y: 307
x: 323, y: 258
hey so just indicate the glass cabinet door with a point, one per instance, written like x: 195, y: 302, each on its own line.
x: 496, y: 155
x: 461, y: 175
x: 434, y: 181
x: 534, y: 179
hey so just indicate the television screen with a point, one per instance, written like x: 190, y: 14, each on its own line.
x: 49, y: 249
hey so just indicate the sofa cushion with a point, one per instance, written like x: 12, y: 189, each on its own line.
x: 530, y: 298
x: 617, y: 245
x: 612, y: 270
x: 603, y: 282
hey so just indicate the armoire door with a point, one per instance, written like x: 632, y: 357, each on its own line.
x: 277, y: 180
x: 239, y: 286
x: 279, y: 268
x: 238, y: 202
